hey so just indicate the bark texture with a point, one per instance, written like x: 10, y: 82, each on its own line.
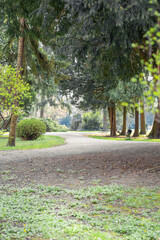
x: 42, y: 108
x: 143, y: 122
x: 136, y: 131
x: 112, y: 118
x: 123, y: 132
x: 155, y: 132
x: 104, y: 120
x: 20, y: 59
x: 12, y: 133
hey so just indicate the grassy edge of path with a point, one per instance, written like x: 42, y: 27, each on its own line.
x: 124, y: 138
x: 41, y: 142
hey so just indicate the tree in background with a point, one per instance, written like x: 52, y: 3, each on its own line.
x: 142, y: 118
x: 136, y: 129
x: 105, y: 122
x: 99, y: 46
x: 13, y: 91
x: 92, y: 121
x: 95, y: 37
x: 152, y: 68
x: 126, y: 94
x: 21, y: 23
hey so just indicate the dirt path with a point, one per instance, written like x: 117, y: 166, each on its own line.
x: 83, y: 161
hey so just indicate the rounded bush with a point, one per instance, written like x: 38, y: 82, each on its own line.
x: 30, y: 129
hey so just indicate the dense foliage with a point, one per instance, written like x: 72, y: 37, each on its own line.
x: 99, y: 44
x: 13, y: 90
x: 94, y: 37
x: 152, y: 65
x: 53, y: 126
x: 92, y: 121
x: 30, y: 129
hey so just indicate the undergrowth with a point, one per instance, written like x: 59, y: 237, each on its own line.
x: 96, y: 212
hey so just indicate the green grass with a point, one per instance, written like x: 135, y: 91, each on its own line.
x: 125, y: 138
x: 85, y: 131
x: 4, y: 135
x: 42, y: 142
x: 97, y: 212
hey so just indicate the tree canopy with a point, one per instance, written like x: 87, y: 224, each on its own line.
x: 99, y: 44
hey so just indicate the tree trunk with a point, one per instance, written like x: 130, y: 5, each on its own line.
x: 123, y: 132
x: 42, y: 105
x: 36, y: 112
x: 104, y: 120
x: 143, y: 122
x: 112, y: 118
x: 12, y: 134
x: 136, y: 131
x: 20, y: 58
x: 7, y: 123
x: 155, y: 132
x: 114, y: 121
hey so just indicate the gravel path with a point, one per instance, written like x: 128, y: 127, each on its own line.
x: 83, y: 160
x: 78, y: 143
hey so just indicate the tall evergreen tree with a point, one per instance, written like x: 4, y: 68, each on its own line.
x: 100, y: 39
x: 23, y: 21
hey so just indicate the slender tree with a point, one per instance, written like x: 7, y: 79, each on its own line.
x: 42, y: 107
x: 105, y: 120
x: 112, y: 118
x: 136, y: 131
x: 123, y: 132
x: 20, y: 59
x: 142, y: 119
x: 152, y: 47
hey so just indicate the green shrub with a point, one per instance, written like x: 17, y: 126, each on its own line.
x: 30, y: 129
x: 62, y: 128
x: 53, y: 126
x: 92, y: 121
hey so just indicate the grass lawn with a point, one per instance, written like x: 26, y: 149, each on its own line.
x: 85, y: 131
x: 41, y: 142
x: 124, y: 138
x: 96, y: 212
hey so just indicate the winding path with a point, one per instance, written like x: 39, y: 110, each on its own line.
x: 78, y: 143
x: 84, y: 158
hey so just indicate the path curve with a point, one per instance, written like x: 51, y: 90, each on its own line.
x: 79, y: 143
